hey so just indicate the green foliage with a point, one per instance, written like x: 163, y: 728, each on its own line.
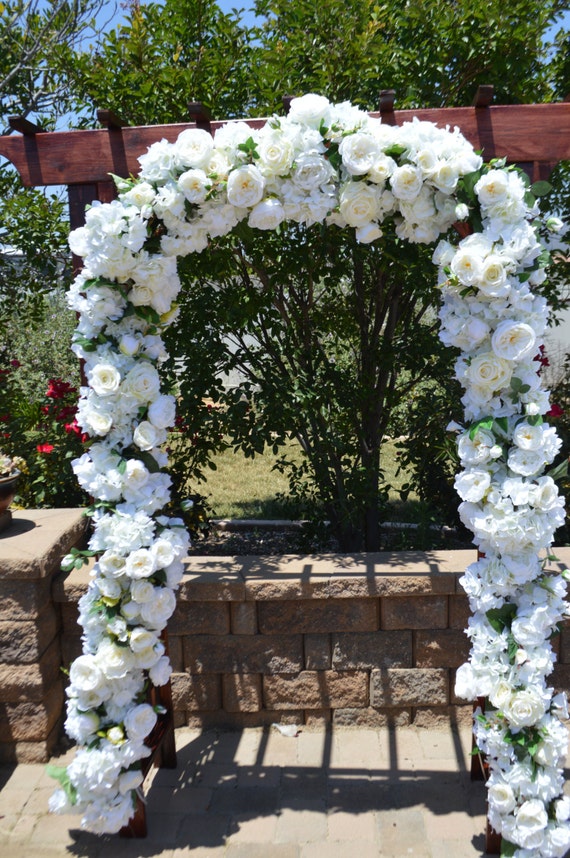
x: 560, y: 418
x: 38, y: 400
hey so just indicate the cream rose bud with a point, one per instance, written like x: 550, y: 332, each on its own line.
x: 104, y: 379
x: 193, y: 148
x: 140, y: 195
x: 513, y: 340
x: 406, y: 182
x: 461, y: 211
x: 129, y: 344
x: 162, y: 412
x: 488, y: 371
x: 359, y: 203
x: 267, y: 214
x: 139, y: 722
x: 194, y: 184
x: 245, y: 186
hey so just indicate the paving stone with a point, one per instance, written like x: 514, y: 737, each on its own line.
x: 302, y: 822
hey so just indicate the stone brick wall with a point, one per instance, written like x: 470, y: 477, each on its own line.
x: 366, y: 640
x: 31, y: 681
x: 352, y: 640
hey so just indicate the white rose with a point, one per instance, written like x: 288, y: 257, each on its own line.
x: 381, y: 170
x: 531, y: 822
x: 359, y: 153
x: 139, y: 722
x: 492, y: 280
x: 309, y: 109
x: 502, y: 798
x: 525, y: 708
x: 162, y: 412
x: 157, y: 612
x: 528, y: 437
x: 193, y: 148
x: 472, y: 485
x: 142, y: 591
x: 525, y: 462
x: 488, y: 371
x: 245, y: 186
x: 112, y: 564
x: 140, y: 564
x: 85, y: 674
x: 140, y: 195
x: 359, y: 203
x: 513, y: 340
x: 146, y: 436
x: 312, y: 170
x: 492, y: 187
x: 142, y: 382
x: 466, y: 266
x: 130, y: 780
x: 267, y: 214
x: 194, y: 184
x: 104, y: 379
x: 406, y: 182
x: 368, y: 233
x: 161, y: 671
x: 275, y: 152
x: 445, y: 177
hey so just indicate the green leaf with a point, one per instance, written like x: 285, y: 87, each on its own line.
x: 559, y: 471
x: 59, y: 773
x: 541, y: 189
x: 484, y: 423
x: 501, y: 618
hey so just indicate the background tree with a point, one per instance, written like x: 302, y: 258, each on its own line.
x: 327, y: 346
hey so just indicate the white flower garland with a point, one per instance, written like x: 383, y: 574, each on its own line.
x: 332, y: 163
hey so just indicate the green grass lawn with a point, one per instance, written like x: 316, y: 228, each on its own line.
x: 251, y: 488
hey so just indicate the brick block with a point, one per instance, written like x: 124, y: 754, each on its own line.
x: 441, y: 648
x: 415, y: 687
x: 70, y: 619
x: 31, y: 721
x: 23, y: 600
x: 317, y: 652
x: 200, y: 618
x: 318, y: 616
x: 31, y: 681
x: 24, y: 641
x: 243, y: 618
x: 318, y: 717
x: 176, y: 653
x: 312, y: 689
x: 371, y: 717
x: 559, y: 679
x: 71, y: 648
x: 240, y: 720
x: 443, y: 716
x: 420, y: 612
x: 242, y: 692
x: 31, y: 752
x: 459, y: 612
x: 243, y: 654
x: 195, y: 692
x: 368, y: 650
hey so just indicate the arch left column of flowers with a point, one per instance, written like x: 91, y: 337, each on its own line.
x: 334, y: 164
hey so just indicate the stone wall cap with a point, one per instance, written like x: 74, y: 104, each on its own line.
x: 37, y: 539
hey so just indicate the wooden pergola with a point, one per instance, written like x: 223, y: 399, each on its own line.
x: 536, y: 137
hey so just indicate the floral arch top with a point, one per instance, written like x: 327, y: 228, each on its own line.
x: 333, y: 163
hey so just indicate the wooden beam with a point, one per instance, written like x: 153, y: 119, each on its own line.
x: 484, y: 95
x: 523, y: 133
x: 110, y: 120
x: 201, y: 115
x: 24, y: 126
